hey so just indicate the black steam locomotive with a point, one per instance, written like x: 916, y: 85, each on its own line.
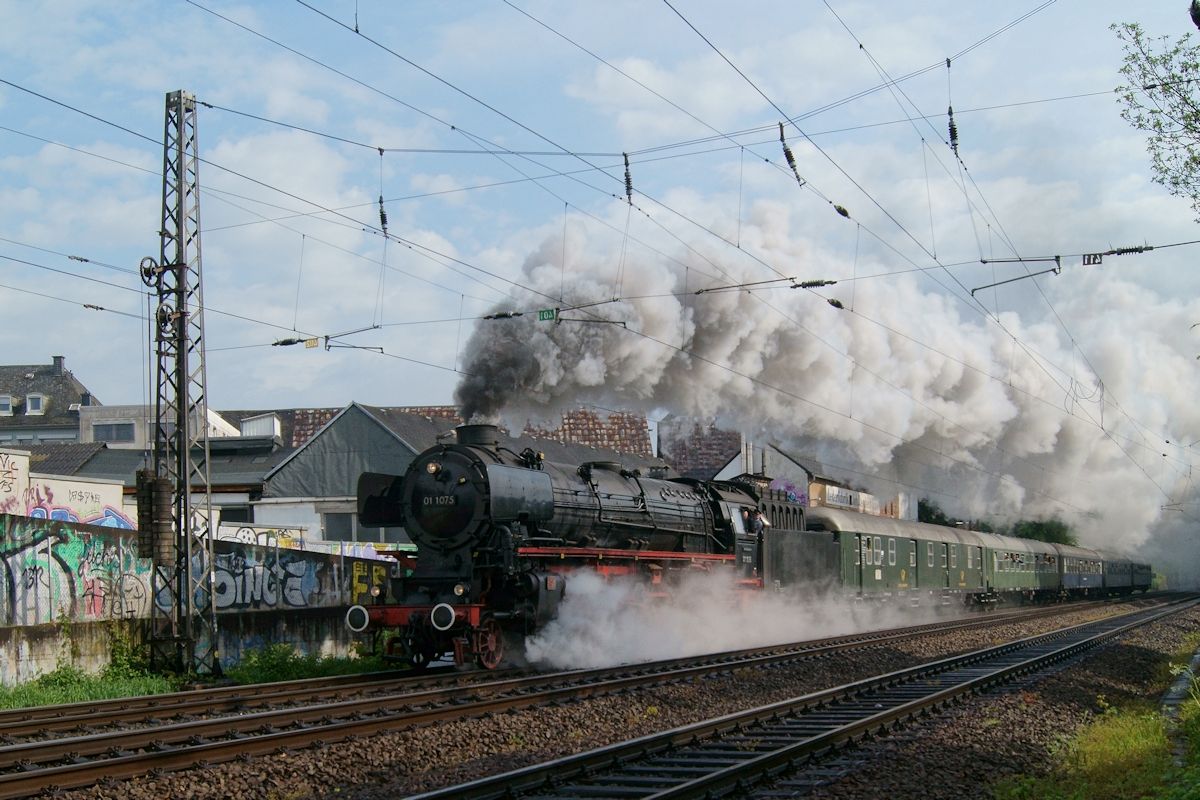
x: 500, y: 532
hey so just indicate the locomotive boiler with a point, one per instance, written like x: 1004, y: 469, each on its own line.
x: 500, y: 532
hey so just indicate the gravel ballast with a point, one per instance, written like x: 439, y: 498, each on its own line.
x: 955, y: 755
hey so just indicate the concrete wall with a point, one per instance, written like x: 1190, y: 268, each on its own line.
x: 59, y: 578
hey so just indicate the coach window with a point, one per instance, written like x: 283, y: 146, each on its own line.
x: 954, y: 556
x: 944, y: 556
x: 879, y: 551
x: 891, y: 552
x: 860, y: 552
x: 970, y: 557
x: 912, y: 553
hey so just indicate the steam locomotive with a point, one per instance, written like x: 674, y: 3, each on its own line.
x: 499, y: 534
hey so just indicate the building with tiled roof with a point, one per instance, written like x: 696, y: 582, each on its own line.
x: 40, y: 403
x: 696, y: 448
x: 623, y: 432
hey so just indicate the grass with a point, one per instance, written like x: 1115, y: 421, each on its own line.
x: 1122, y: 754
x: 128, y: 675
x: 69, y: 684
x: 281, y: 662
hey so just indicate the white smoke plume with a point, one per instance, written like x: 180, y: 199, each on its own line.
x: 605, y: 623
x: 991, y: 421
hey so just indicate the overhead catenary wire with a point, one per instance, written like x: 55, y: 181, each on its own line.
x: 993, y: 317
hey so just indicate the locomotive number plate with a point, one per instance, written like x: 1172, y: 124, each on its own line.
x: 439, y: 500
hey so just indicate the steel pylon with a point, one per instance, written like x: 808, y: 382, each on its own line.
x: 175, y: 497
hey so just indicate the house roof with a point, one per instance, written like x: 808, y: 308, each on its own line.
x: 583, y: 436
x: 296, y: 425
x: 237, y: 461
x: 624, y: 432
x: 697, y: 448
x: 417, y: 432
x: 65, y: 458
x: 55, y: 383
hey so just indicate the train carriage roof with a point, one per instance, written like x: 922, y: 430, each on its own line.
x: 1070, y: 551
x: 1015, y: 544
x: 853, y: 522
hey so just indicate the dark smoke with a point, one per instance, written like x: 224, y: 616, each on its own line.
x: 499, y: 367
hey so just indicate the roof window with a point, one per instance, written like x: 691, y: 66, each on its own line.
x: 6, y: 405
x: 35, y: 404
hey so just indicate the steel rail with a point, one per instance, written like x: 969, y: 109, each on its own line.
x: 152, y: 709
x: 728, y: 755
x: 35, y: 766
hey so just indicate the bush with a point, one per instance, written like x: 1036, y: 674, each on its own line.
x: 281, y: 662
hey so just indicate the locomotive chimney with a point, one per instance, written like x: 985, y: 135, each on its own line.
x: 480, y: 435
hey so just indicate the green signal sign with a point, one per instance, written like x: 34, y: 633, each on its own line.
x: 547, y: 314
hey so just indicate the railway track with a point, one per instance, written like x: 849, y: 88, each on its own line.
x: 734, y: 754
x: 346, y: 708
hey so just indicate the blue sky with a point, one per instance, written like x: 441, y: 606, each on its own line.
x: 504, y: 126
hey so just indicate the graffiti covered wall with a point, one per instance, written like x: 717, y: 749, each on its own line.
x: 89, y: 501
x: 52, y: 571
x: 14, y: 479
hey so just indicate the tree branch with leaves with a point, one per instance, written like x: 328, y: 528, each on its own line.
x: 1159, y: 97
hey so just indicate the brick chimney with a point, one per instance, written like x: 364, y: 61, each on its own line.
x: 58, y: 365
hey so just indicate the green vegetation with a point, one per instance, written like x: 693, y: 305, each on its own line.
x: 1043, y: 530
x: 1123, y: 753
x: 69, y: 684
x: 1160, y: 99
x: 1049, y: 530
x: 127, y: 674
x: 281, y: 662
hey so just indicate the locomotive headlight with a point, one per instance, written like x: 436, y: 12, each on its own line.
x: 460, y: 589
x: 433, y: 467
x: 376, y: 590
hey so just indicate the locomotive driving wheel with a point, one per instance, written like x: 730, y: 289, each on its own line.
x: 489, y: 643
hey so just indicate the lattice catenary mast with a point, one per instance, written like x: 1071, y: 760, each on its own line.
x: 175, y: 497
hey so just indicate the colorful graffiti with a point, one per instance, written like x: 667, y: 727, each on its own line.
x: 266, y: 535
x: 253, y: 577
x: 794, y: 493
x: 14, y: 470
x: 364, y: 575
x: 51, y: 571
x: 62, y: 502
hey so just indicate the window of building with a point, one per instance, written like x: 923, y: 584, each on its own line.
x: 112, y: 432
x: 237, y: 514
x: 344, y: 526
x: 339, y: 526
x: 35, y: 404
x: 5, y: 405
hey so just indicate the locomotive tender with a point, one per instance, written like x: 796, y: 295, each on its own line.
x: 499, y: 534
